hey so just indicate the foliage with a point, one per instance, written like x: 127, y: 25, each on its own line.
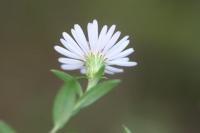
x: 71, y: 98
x: 67, y: 103
x: 4, y: 128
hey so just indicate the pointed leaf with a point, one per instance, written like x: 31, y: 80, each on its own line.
x: 96, y: 93
x: 64, y: 104
x: 62, y: 75
x: 126, y: 129
x: 4, y: 128
x: 68, y: 78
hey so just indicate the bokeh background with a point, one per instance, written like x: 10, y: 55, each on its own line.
x: 160, y: 95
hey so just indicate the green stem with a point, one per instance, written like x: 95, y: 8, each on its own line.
x: 92, y: 83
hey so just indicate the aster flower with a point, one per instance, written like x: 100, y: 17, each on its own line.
x: 88, y: 55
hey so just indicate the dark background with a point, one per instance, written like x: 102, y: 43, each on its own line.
x: 160, y: 95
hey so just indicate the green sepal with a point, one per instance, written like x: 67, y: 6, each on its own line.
x: 95, y: 93
x: 100, y: 73
x: 5, y: 128
x: 92, y: 82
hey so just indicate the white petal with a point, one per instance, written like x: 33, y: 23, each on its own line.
x: 83, y: 71
x: 70, y: 47
x: 122, y: 63
x: 118, y: 43
x: 117, y: 49
x: 109, y: 72
x: 102, y: 35
x: 107, y: 37
x: 72, y: 43
x: 89, y: 30
x: 71, y: 67
x: 78, y: 41
x: 122, y: 54
x: 81, y: 37
x: 92, y: 34
x: 114, y: 69
x: 112, y: 41
x: 70, y: 61
x: 67, y: 53
x: 118, y: 59
x: 95, y: 32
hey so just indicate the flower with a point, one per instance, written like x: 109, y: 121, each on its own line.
x: 99, y: 49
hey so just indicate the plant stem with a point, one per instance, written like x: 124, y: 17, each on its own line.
x: 91, y: 83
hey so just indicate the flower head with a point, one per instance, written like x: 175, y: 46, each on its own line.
x: 88, y: 55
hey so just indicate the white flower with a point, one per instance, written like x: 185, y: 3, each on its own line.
x: 99, y: 49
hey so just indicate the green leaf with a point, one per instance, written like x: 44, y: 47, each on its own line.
x: 68, y: 78
x: 64, y: 104
x: 62, y: 75
x: 96, y: 93
x: 126, y: 129
x: 4, y: 128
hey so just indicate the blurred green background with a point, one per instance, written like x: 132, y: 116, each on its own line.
x: 160, y: 95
